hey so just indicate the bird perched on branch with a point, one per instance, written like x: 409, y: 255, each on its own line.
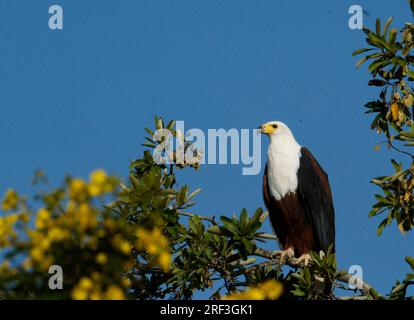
x: 297, y: 195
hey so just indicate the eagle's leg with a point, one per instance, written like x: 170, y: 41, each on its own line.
x: 284, y: 255
x: 304, y: 258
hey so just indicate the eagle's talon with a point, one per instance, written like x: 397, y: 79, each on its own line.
x: 303, y: 259
x: 284, y: 255
x: 274, y: 255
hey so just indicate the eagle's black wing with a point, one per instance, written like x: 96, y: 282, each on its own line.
x: 316, y: 197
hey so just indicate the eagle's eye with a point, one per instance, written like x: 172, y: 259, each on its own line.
x: 274, y: 126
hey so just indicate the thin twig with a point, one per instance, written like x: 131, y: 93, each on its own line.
x: 257, y: 266
x: 388, y: 142
x: 191, y: 215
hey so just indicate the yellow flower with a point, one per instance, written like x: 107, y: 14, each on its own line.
x: 164, y: 260
x: 101, y: 258
x: 253, y: 294
x: 10, y: 200
x: 126, y: 282
x: 114, y: 293
x: 270, y: 289
x: 98, y: 177
x: 46, y: 263
x: 122, y: 244
x: 156, y: 244
x: 394, y: 111
x: 44, y: 244
x: 79, y: 294
x: 84, y: 289
x: 86, y: 216
x: 37, y: 254
x: 58, y: 234
x: 42, y: 219
x: 99, y: 183
x: 78, y: 190
x: 96, y: 295
x: 86, y: 283
x: 7, y: 231
x: 152, y: 248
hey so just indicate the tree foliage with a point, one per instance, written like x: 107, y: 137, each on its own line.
x: 141, y: 239
x: 138, y: 240
x: 390, y: 55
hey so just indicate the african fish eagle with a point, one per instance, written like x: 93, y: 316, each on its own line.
x: 297, y: 195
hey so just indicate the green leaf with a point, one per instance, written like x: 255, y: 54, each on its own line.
x: 392, y: 37
x: 367, y: 57
x: 243, y: 218
x: 182, y: 195
x: 387, y: 25
x: 263, y: 216
x: 230, y: 225
x: 299, y: 293
x: 377, y: 83
x: 214, y: 230
x: 170, y: 125
x: 361, y: 61
x: 193, y: 194
x: 159, y: 123
x: 377, y: 41
x: 359, y: 51
x: 377, y: 64
x: 148, y: 144
x: 410, y: 261
x: 331, y: 260
x: 374, y: 212
x: 257, y: 216
x: 150, y: 132
x: 382, y: 199
x: 381, y: 227
x: 193, y: 225
x: 397, y: 166
x: 396, y: 176
x: 378, y: 27
x: 407, y: 134
x: 412, y: 5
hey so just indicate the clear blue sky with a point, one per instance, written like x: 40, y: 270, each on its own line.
x: 78, y: 99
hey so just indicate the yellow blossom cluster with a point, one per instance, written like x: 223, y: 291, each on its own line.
x: 52, y: 229
x: 99, y: 184
x: 91, y: 289
x: 10, y: 200
x: 268, y: 290
x: 156, y: 244
x: 7, y: 227
x: 87, y: 240
x: 122, y: 244
x: 49, y: 230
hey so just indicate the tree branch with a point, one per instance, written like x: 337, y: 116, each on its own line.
x: 364, y: 287
x: 191, y: 215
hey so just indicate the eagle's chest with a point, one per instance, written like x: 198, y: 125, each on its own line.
x: 283, y: 166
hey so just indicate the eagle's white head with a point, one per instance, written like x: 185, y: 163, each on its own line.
x: 276, y: 129
x: 283, y: 158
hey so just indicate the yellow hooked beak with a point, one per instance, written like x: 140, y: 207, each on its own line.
x: 266, y: 128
